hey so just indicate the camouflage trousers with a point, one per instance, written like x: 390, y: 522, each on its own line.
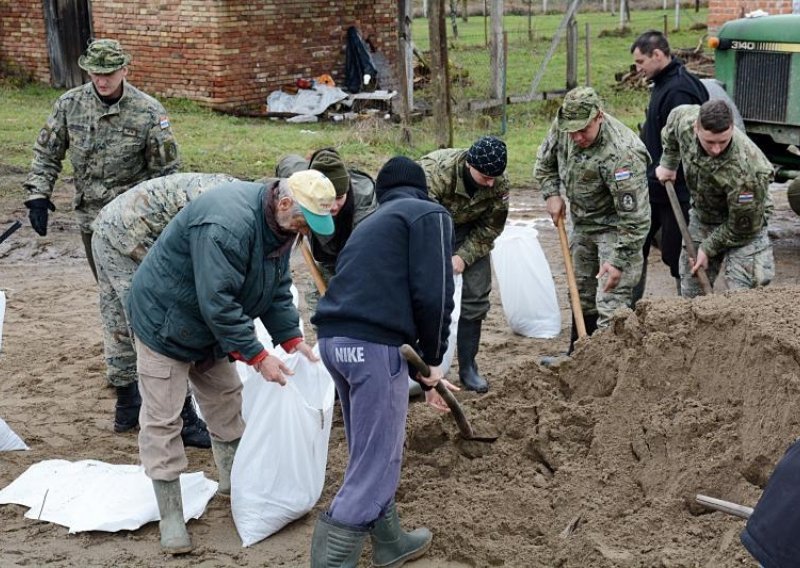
x: 114, y: 274
x: 748, y: 266
x: 589, y: 252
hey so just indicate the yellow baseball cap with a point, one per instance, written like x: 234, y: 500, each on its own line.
x: 315, y: 195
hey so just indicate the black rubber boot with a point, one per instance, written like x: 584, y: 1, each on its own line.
x: 335, y: 544
x: 392, y: 546
x: 126, y: 411
x: 468, y: 341
x: 194, y: 432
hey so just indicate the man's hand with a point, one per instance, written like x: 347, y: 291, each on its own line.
x: 37, y: 213
x: 556, y: 208
x: 307, y: 351
x: 701, y: 262
x: 432, y: 379
x: 664, y: 175
x: 435, y: 400
x: 458, y: 264
x: 273, y: 370
x: 614, y: 276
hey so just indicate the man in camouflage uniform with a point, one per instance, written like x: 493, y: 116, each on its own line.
x: 117, y: 136
x: 728, y: 178
x: 123, y: 232
x: 469, y: 183
x: 602, y: 164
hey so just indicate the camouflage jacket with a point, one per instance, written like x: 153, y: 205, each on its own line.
x: 111, y: 147
x: 606, y: 184
x: 485, y: 213
x: 133, y: 221
x: 731, y: 190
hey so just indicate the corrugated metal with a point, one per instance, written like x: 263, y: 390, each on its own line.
x: 762, y: 85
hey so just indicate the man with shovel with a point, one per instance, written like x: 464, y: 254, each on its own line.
x: 602, y: 164
x: 728, y: 179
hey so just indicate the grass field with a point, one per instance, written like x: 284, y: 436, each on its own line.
x: 250, y: 148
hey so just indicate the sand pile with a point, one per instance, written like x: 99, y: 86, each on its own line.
x: 598, y: 464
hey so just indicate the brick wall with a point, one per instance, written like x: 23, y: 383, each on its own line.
x: 231, y: 54
x: 23, y: 44
x: 720, y: 11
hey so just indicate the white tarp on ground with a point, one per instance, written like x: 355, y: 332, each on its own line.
x: 307, y: 102
x: 88, y: 495
x: 9, y: 440
x: 2, y: 315
x: 526, y: 285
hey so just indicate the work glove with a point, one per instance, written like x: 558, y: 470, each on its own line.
x: 37, y: 213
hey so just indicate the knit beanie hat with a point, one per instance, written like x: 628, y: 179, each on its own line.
x: 329, y: 163
x: 400, y: 172
x: 488, y: 155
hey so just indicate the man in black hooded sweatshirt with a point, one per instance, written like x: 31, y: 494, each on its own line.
x: 393, y: 285
x: 673, y: 85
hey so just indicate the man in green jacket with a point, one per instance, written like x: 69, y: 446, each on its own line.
x: 469, y: 183
x: 220, y: 263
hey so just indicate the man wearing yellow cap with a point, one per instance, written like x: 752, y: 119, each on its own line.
x: 117, y: 136
x: 220, y: 263
x: 602, y: 164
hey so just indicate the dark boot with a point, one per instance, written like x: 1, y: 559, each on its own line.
x: 175, y: 538
x: 678, y: 286
x: 468, y: 341
x: 392, y: 546
x: 194, y: 432
x: 126, y: 411
x: 336, y: 545
x: 224, y: 452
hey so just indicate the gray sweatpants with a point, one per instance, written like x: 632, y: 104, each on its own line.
x: 372, y: 382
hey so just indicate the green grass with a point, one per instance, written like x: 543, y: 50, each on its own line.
x: 250, y: 147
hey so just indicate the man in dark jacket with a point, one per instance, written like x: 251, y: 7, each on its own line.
x: 222, y: 261
x: 673, y: 85
x: 393, y: 285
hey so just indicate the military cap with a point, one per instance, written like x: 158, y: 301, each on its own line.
x: 103, y: 56
x: 580, y: 106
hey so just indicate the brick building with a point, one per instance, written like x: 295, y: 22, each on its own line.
x: 720, y: 11
x: 226, y: 54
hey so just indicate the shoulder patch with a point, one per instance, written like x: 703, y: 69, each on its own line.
x: 745, y: 197
x: 744, y: 223
x: 164, y: 122
x: 627, y: 201
x: 622, y: 174
x: 504, y: 196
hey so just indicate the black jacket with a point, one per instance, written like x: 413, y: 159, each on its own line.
x: 771, y: 533
x: 394, y: 277
x: 673, y: 87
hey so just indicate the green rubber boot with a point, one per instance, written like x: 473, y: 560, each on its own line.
x: 175, y: 538
x: 392, y: 546
x: 335, y: 544
x: 224, y: 452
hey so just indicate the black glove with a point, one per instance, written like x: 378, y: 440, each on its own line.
x: 38, y: 213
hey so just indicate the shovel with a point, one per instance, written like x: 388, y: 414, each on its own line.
x: 705, y: 283
x: 574, y: 298
x: 10, y: 231
x: 464, y: 427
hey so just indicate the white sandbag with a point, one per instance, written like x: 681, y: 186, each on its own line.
x: 2, y: 315
x: 451, y: 341
x: 279, y: 469
x: 9, y: 440
x: 91, y: 495
x: 526, y: 284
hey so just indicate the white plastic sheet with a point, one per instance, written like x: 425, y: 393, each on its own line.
x: 526, y: 284
x: 279, y: 469
x: 307, y: 101
x: 2, y: 315
x: 447, y: 361
x: 91, y: 495
x: 9, y: 440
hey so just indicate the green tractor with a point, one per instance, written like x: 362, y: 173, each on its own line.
x: 758, y: 62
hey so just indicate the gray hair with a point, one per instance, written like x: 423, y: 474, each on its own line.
x: 283, y: 190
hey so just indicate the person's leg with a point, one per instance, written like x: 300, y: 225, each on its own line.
x: 585, y: 263
x: 476, y: 287
x: 672, y: 239
x: 655, y: 225
x: 114, y: 274
x: 621, y: 295
x: 752, y: 265
x: 690, y: 285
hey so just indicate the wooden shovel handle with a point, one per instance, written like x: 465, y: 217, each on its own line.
x: 574, y: 298
x: 464, y: 427
x: 316, y: 275
x: 705, y: 283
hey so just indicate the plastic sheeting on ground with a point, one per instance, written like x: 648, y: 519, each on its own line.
x: 9, y: 440
x: 447, y: 360
x: 307, y: 102
x: 2, y: 315
x: 91, y: 495
x: 526, y: 285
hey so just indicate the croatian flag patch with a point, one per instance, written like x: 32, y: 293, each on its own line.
x: 164, y: 122
x: 622, y: 174
x: 745, y: 197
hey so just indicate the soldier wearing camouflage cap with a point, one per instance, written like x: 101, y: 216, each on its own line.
x: 116, y: 136
x: 602, y: 165
x: 471, y: 185
x: 123, y: 232
x: 728, y: 179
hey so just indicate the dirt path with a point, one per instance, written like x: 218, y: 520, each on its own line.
x: 682, y: 397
